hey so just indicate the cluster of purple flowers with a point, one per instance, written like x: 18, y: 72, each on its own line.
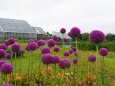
x: 6, y: 84
x: 51, y: 43
x: 96, y: 36
x: 55, y: 38
x: 65, y: 63
x: 92, y: 58
x: 5, y: 67
x: 41, y: 42
x: 45, y: 50
x: 103, y: 51
x: 56, y: 49
x: 3, y: 46
x: 62, y: 30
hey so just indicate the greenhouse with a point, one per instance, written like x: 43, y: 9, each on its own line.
x: 19, y: 29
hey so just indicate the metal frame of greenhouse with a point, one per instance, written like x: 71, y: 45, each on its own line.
x: 18, y: 29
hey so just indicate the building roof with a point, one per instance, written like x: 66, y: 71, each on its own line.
x: 60, y: 35
x: 39, y: 30
x: 14, y: 25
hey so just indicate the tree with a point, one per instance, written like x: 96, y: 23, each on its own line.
x: 110, y: 37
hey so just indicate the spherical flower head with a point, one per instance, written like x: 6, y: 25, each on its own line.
x: 69, y: 34
x: 51, y: 43
x: 40, y: 42
x: 32, y: 46
x: 8, y: 56
x: 92, y: 58
x: 45, y: 50
x: 64, y: 63
x: 30, y: 40
x: 55, y: 59
x: 70, y: 51
x: 6, y: 68
x: 22, y: 51
x: 6, y: 42
x: 96, y: 36
x: 74, y: 49
x: 66, y: 53
x: 62, y: 30
x: 11, y: 41
x: 27, y: 47
x: 56, y: 49
x: 6, y: 84
x: 103, y: 51
x: 2, y: 53
x: 75, y: 61
x: 65, y: 39
x: 3, y: 46
x: 75, y: 32
x: 2, y: 62
x: 55, y: 38
x: 15, y: 47
x: 46, y: 59
x: 76, y: 53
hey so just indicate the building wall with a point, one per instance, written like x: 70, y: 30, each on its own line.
x: 20, y: 36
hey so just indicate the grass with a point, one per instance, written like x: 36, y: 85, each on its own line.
x: 82, y: 62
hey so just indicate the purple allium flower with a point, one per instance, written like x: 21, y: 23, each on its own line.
x: 62, y: 30
x: 8, y: 56
x: 65, y: 39
x: 30, y: 40
x: 27, y: 47
x: 15, y: 47
x: 103, y: 51
x: 32, y: 46
x: 69, y: 34
x: 66, y: 53
x: 11, y: 41
x: 46, y: 59
x: 55, y: 59
x: 64, y: 63
x: 6, y: 42
x: 6, y: 84
x: 76, y: 53
x: 75, y: 32
x: 92, y: 58
x: 75, y: 61
x: 40, y: 42
x: 3, y: 46
x: 74, y: 49
x: 96, y: 36
x: 70, y: 51
x: 56, y: 49
x: 45, y: 50
x: 2, y: 53
x: 55, y: 38
x: 51, y: 43
x: 22, y: 51
x: 6, y: 68
x: 2, y: 62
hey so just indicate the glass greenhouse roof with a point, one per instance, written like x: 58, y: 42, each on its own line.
x: 13, y: 25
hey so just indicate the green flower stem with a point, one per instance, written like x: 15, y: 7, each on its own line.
x: 29, y: 69
x: 76, y: 43
x: 103, y: 71
x: 62, y: 79
x: 74, y: 73
x: 45, y: 75
x: 15, y: 68
x: 97, y: 76
x: 55, y: 74
x: 63, y: 42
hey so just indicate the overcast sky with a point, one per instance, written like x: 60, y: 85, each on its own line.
x: 52, y: 15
